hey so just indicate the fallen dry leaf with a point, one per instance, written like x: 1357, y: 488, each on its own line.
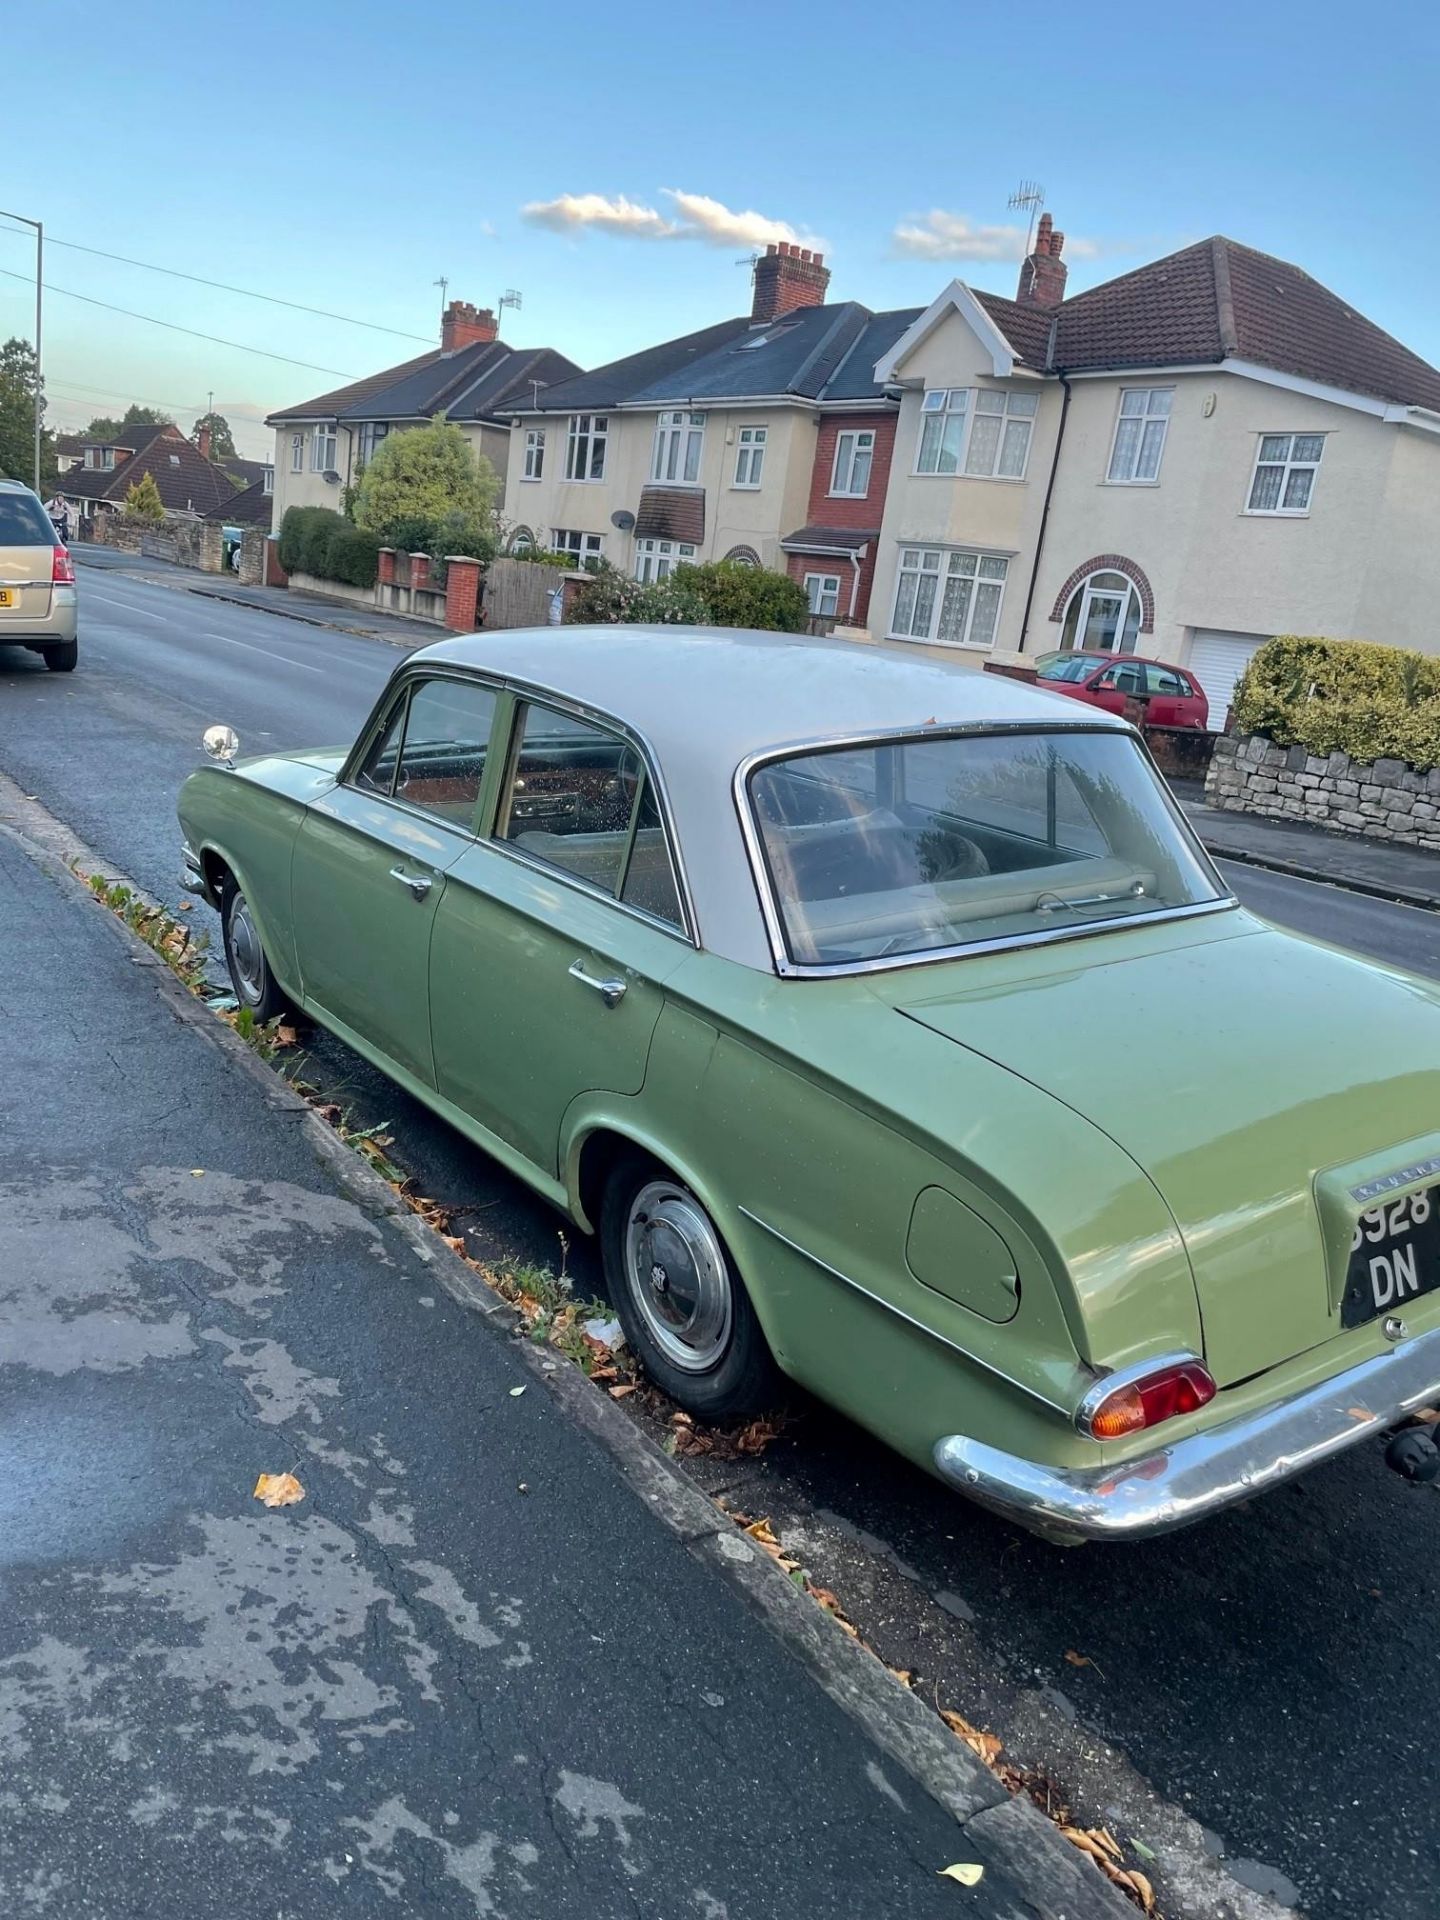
x: 623, y: 1391
x: 278, y: 1489
x: 286, y: 1036
x: 1103, y: 1837
x: 1143, y: 1888
x: 1082, y: 1660
x: 986, y: 1745
x: 967, y: 1872
x: 515, y: 1392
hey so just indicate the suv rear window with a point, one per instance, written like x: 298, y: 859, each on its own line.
x: 24, y: 522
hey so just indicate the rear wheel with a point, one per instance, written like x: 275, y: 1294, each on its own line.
x: 62, y: 659
x: 683, y: 1306
x: 255, y: 985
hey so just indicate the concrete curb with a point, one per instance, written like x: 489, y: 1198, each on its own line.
x: 1348, y: 883
x: 1057, y: 1883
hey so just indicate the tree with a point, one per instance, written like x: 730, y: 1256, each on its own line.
x: 106, y: 427
x: 17, y: 417
x: 422, y: 478
x: 142, y: 500
x: 222, y: 441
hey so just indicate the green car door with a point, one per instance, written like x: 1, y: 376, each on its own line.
x: 370, y: 865
x: 555, y: 935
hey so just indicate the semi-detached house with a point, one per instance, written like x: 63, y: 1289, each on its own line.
x: 1180, y: 462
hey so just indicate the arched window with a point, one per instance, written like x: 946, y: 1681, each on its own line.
x: 1103, y: 614
x: 743, y: 557
x: 522, y: 540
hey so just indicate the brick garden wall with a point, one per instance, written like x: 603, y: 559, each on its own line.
x: 1382, y: 798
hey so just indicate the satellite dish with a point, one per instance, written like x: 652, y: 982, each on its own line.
x: 623, y: 519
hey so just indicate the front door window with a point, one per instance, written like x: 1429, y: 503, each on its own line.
x: 1103, y: 615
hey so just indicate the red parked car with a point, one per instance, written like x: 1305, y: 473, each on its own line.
x: 1173, y: 697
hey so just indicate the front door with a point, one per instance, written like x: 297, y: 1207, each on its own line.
x: 371, y: 861
x: 554, y: 938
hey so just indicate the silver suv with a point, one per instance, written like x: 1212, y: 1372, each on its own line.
x: 37, y: 581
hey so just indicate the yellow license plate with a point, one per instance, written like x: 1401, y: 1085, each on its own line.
x: 7, y: 598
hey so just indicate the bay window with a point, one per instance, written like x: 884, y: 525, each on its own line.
x: 980, y: 431
x: 585, y: 446
x: 679, y: 438
x: 655, y: 558
x: 949, y: 595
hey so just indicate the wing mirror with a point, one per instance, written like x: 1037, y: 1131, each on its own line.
x: 222, y: 744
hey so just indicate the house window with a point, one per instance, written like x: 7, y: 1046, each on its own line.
x: 655, y: 558
x: 1103, y: 614
x: 743, y: 557
x: 372, y: 432
x: 269, y: 480
x: 750, y: 457
x: 1284, y: 475
x: 522, y: 540
x: 585, y: 446
x: 850, y: 475
x: 980, y: 431
x: 322, y: 449
x: 297, y: 453
x: 1139, y: 435
x: 950, y: 596
x: 534, y: 453
x: 679, y: 438
x: 584, y: 549
x: 822, y: 590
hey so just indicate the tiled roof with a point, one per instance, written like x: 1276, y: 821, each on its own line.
x: 247, y: 470
x: 326, y: 406
x: 827, y: 539
x: 671, y: 513
x: 854, y: 377
x: 251, y: 507
x: 186, y: 480
x: 609, y: 385
x: 478, y: 382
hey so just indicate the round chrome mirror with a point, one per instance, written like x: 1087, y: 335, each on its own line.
x: 221, y: 743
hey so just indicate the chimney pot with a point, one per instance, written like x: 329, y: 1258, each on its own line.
x: 202, y: 441
x: 1043, y: 274
x: 787, y: 277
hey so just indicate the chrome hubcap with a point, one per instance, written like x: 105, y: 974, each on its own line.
x: 247, y: 960
x: 678, y: 1276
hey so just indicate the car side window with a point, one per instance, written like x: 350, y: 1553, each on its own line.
x: 1121, y: 680
x: 442, y: 757
x: 1163, y: 680
x: 576, y: 797
x: 377, y: 771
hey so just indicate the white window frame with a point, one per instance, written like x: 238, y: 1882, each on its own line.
x: 654, y: 559
x: 297, y: 453
x: 534, y: 468
x: 373, y: 433
x: 679, y: 448
x: 1289, y: 466
x: 750, y: 457
x: 961, y: 408
x: 820, y: 587
x: 941, y: 566
x: 1105, y: 583
x: 581, y: 546
x: 268, y: 480
x: 1150, y: 406
x: 323, y: 437
x: 851, y: 447
x: 585, y: 447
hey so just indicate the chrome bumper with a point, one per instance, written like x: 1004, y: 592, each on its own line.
x: 191, y: 878
x: 1209, y: 1470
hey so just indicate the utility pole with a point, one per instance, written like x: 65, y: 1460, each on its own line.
x: 25, y: 220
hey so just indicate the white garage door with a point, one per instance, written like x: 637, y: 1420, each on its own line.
x: 1217, y: 661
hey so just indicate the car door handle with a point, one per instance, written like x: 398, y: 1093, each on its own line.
x: 418, y: 883
x: 612, y: 992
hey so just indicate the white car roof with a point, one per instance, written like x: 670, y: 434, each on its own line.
x: 704, y: 699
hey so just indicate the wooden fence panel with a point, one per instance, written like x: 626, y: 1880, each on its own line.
x: 517, y: 593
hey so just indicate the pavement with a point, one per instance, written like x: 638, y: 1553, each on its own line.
x: 470, y: 1673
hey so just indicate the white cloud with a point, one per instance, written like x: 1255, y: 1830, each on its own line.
x: 939, y: 235
x: 695, y: 216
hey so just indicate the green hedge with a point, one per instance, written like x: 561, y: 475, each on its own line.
x: 1351, y: 696
x: 720, y: 594
x: 319, y: 541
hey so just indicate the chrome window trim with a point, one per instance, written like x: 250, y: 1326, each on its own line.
x: 1120, y: 1377
x: 891, y: 736
x: 920, y: 1326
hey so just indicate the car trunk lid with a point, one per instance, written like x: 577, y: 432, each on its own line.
x: 27, y: 560
x: 1238, y: 1073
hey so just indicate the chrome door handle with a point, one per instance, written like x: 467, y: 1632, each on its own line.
x: 418, y: 883
x: 612, y: 992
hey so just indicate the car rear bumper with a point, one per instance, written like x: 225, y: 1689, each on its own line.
x: 1209, y: 1470
x: 53, y: 629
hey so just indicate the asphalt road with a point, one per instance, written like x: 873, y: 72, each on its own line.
x: 1274, y: 1673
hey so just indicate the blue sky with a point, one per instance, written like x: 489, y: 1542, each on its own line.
x: 345, y: 156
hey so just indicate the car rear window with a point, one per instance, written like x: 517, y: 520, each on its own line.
x: 24, y: 522
x: 910, y: 847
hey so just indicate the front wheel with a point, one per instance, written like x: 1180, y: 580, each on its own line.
x: 683, y: 1306
x: 62, y: 659
x: 255, y: 985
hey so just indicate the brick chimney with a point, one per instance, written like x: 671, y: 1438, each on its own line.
x: 202, y: 441
x: 1042, y: 276
x: 787, y: 277
x: 462, y: 325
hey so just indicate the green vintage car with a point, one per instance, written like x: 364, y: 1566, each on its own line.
x: 890, y: 1028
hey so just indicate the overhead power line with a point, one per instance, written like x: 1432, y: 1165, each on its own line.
x: 238, y: 346
x: 223, y: 286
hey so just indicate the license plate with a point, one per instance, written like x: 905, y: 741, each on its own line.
x: 7, y: 598
x: 1394, y: 1256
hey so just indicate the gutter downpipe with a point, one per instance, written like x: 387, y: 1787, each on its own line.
x: 1049, y: 492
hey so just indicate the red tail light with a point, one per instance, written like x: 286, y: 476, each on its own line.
x: 1145, y: 1400
x: 62, y: 570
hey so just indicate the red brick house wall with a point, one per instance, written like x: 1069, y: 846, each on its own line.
x: 826, y: 510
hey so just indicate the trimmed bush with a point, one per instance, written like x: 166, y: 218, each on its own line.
x: 319, y: 541
x: 720, y: 594
x: 1350, y: 696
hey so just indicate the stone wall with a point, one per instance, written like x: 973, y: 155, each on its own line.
x: 184, y: 542
x: 1384, y: 799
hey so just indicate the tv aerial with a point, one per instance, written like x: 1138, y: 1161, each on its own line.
x: 1031, y: 196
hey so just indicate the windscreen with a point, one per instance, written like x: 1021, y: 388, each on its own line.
x: 24, y: 522
x: 1068, y: 666
x: 906, y: 847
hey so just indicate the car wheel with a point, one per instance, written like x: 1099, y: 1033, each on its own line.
x: 62, y: 659
x: 682, y: 1304
x: 255, y: 985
